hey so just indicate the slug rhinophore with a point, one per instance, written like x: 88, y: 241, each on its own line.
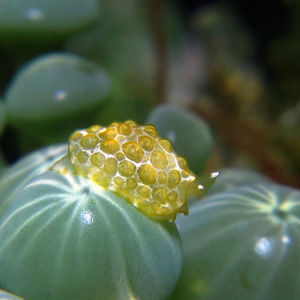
x: 139, y: 166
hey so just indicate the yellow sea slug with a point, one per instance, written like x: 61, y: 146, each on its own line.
x: 139, y: 166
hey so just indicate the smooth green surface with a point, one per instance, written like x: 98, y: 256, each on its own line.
x: 45, y: 18
x: 230, y: 178
x: 190, y: 136
x: 63, y: 237
x: 55, y: 94
x: 8, y: 296
x: 2, y: 115
x: 13, y: 179
x: 54, y: 86
x: 242, y: 244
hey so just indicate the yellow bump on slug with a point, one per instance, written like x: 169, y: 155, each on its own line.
x: 110, y: 166
x: 173, y: 197
x: 109, y: 133
x: 151, y: 130
x: 136, y: 164
x: 127, y: 168
x: 133, y: 151
x: 120, y: 156
x: 131, y: 183
x: 74, y: 148
x: 144, y: 191
x: 146, y: 143
x: 182, y: 162
x: 131, y: 123
x: 76, y: 136
x: 162, y: 177
x: 97, y: 159
x: 114, y: 124
x: 174, y: 179
x: 160, y: 194
x: 147, y: 174
x: 125, y: 129
x: 166, y: 144
x: 82, y: 157
x: 94, y: 129
x: 110, y: 146
x: 119, y: 181
x: 89, y: 141
x: 159, y: 159
x: 185, y: 174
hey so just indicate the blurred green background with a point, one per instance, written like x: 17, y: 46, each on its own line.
x: 234, y: 65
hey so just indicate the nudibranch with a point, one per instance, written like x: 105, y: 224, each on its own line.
x: 138, y: 165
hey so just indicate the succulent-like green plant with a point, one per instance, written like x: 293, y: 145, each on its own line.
x: 242, y: 244
x: 65, y: 238
x: 72, y: 89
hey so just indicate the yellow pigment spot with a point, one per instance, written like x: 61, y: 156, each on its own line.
x: 144, y: 191
x: 147, y: 174
x: 174, y: 179
x: 151, y: 130
x: 133, y: 151
x: 158, y: 159
x: 109, y: 133
x: 138, y: 131
x: 160, y: 194
x: 120, y: 156
x: 89, y: 141
x: 125, y: 129
x: 119, y: 181
x: 76, y: 136
x: 97, y: 159
x: 166, y: 144
x: 74, y: 148
x: 82, y: 157
x: 131, y: 183
x: 110, y: 166
x: 185, y: 174
x: 114, y: 124
x: 94, y: 129
x: 126, y: 168
x: 110, y: 146
x: 131, y: 123
x: 146, y: 143
x: 182, y: 162
x: 173, y: 197
x: 162, y: 177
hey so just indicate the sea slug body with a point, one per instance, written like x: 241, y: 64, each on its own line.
x: 135, y: 163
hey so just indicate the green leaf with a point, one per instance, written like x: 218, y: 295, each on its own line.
x: 230, y: 178
x: 55, y: 94
x: 17, y: 176
x: 64, y: 237
x: 45, y: 19
x: 8, y: 296
x: 242, y: 244
x: 190, y: 136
